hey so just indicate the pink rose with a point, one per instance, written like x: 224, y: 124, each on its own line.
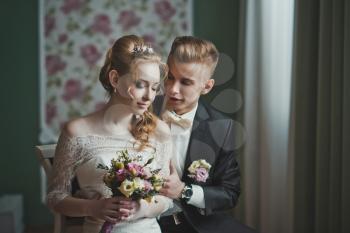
x: 201, y: 174
x: 101, y: 24
x: 90, y: 54
x: 135, y: 169
x: 184, y: 25
x: 50, y: 24
x: 72, y: 89
x: 54, y: 64
x: 51, y: 112
x: 62, y: 125
x: 128, y: 19
x: 148, y: 185
x: 121, y: 175
x: 62, y: 38
x: 149, y: 39
x: 164, y: 10
x: 111, y: 42
x: 130, y: 165
x: 146, y: 172
x: 71, y: 5
x: 99, y: 105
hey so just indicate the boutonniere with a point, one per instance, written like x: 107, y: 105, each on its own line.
x: 199, y: 170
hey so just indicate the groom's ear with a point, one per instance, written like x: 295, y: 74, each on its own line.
x: 208, y: 85
x: 113, y: 78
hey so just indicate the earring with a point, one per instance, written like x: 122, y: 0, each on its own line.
x: 115, y: 90
x: 131, y: 96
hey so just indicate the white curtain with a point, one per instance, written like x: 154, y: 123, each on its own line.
x: 266, y: 73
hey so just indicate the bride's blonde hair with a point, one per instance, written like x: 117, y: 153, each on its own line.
x: 126, y: 53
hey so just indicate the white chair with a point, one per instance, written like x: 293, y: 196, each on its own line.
x: 46, y: 154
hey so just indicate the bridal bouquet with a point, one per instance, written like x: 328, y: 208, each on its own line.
x: 127, y: 176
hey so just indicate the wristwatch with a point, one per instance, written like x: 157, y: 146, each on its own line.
x: 186, y: 193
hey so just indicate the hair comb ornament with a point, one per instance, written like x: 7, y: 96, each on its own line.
x: 145, y: 49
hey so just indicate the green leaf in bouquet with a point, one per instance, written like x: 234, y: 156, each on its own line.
x: 156, y: 171
x: 101, y: 166
x: 137, y: 195
x: 149, y: 161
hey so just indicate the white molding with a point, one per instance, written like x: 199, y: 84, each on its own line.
x: 43, y: 185
x: 45, y: 135
x: 190, y: 26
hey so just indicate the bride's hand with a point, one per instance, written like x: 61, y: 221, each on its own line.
x: 138, y: 210
x: 112, y: 209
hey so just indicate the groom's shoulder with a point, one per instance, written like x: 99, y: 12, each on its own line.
x: 215, y: 114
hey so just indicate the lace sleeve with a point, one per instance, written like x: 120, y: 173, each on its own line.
x: 67, y: 156
x: 164, y: 155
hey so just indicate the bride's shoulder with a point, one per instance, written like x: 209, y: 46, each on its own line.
x: 162, y: 131
x: 80, y: 126
x: 75, y: 127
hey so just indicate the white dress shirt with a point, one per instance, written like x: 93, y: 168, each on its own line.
x: 181, y: 139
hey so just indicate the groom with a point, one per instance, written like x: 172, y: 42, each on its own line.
x: 199, y: 133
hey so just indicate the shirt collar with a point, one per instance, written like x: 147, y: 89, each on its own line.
x: 190, y: 115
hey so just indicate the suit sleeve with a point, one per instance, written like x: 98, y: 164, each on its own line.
x: 224, y: 191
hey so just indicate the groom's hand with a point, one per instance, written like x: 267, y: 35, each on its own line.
x: 172, y: 186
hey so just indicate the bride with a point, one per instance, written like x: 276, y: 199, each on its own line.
x: 131, y: 75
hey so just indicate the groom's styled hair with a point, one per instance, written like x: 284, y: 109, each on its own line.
x: 188, y: 49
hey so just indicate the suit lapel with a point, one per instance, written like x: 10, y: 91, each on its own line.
x: 197, y: 134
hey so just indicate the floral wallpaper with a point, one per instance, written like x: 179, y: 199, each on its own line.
x: 74, y: 37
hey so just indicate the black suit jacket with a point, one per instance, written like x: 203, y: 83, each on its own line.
x: 212, y: 139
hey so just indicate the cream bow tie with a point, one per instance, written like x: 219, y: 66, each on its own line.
x: 171, y: 117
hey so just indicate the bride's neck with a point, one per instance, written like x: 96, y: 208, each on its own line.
x: 117, y: 116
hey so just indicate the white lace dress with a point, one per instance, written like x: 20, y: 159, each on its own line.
x: 80, y: 156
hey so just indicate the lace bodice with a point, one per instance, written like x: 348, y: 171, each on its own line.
x: 79, y: 156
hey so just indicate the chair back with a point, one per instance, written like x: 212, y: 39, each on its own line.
x: 45, y: 155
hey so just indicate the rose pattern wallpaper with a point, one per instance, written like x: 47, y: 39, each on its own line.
x: 74, y: 37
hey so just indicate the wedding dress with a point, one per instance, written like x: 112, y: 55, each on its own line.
x: 80, y: 156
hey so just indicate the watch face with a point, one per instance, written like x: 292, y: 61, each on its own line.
x: 187, y: 193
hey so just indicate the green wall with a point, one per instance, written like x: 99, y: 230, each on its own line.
x: 217, y: 21
x: 19, y: 106
x: 19, y: 170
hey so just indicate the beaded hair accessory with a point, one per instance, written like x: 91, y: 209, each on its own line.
x: 145, y: 49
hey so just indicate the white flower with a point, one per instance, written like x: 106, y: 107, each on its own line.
x: 205, y: 164
x: 138, y: 183
x: 127, y: 187
x: 194, y: 165
x: 199, y: 170
x: 197, y: 164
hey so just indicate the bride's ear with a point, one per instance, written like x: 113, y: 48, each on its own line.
x: 113, y: 78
